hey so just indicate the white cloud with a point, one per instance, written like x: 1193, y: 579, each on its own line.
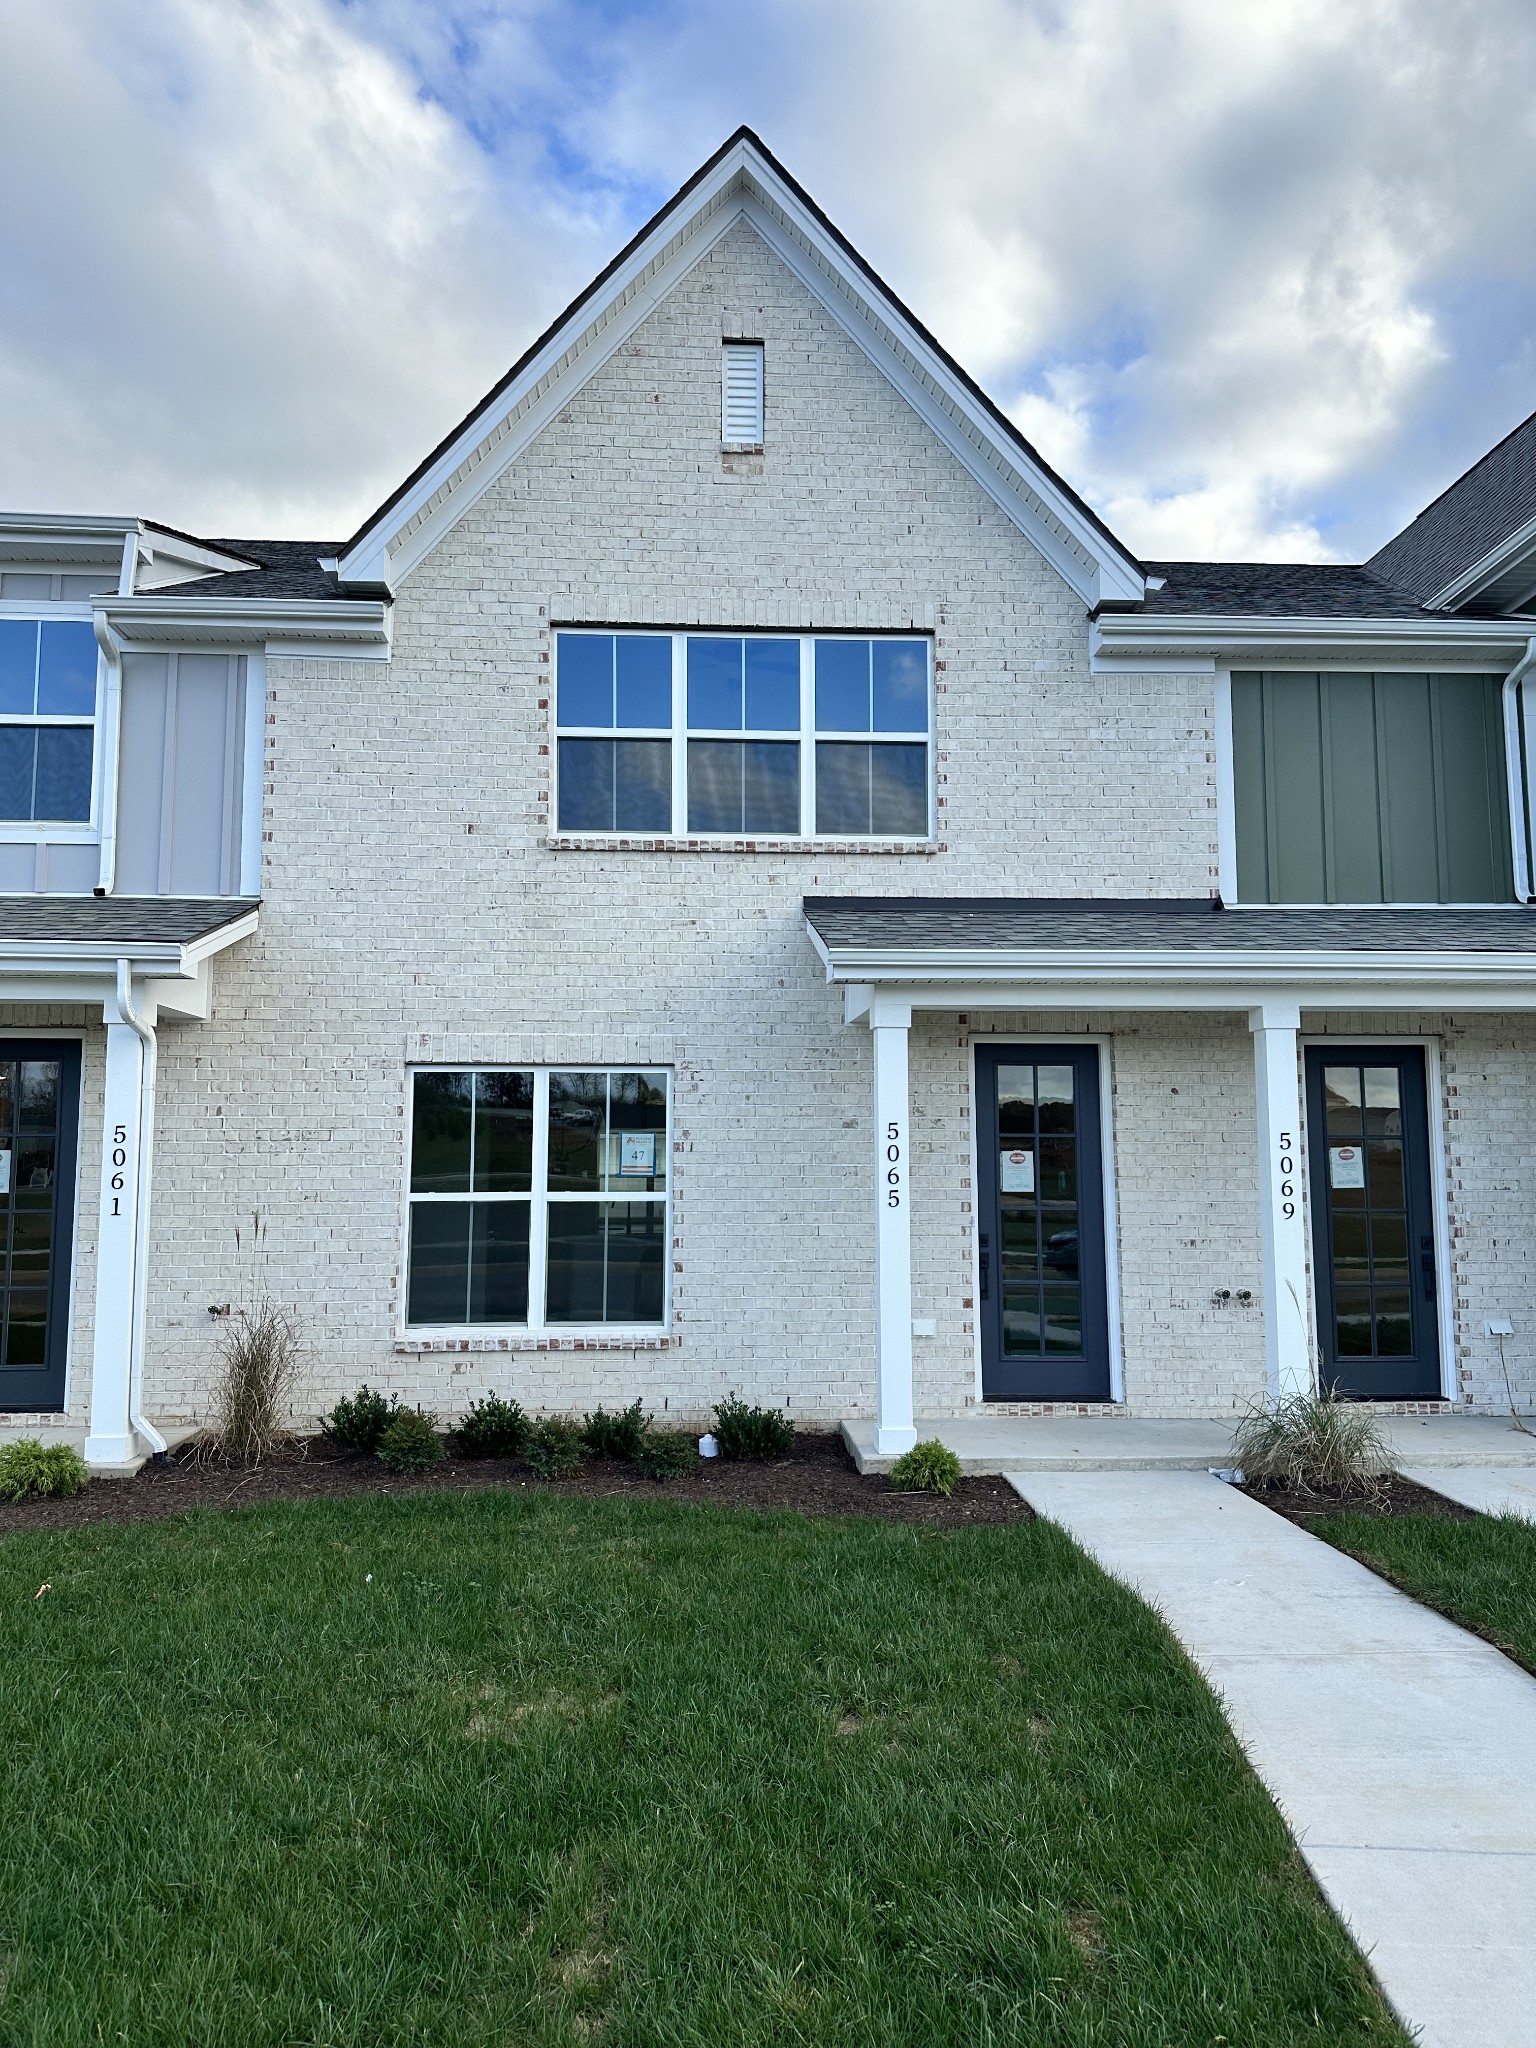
x: 1257, y: 277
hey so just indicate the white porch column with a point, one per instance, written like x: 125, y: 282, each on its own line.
x: 1287, y: 1313
x: 890, y: 1022
x: 112, y: 1439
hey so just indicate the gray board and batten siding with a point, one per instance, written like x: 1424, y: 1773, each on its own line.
x: 1354, y: 788
x: 181, y: 769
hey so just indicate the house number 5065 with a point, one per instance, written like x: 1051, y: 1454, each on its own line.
x: 1287, y: 1173
x: 119, y: 1165
x: 893, y: 1166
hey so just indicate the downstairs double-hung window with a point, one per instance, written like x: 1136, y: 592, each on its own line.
x: 538, y: 1198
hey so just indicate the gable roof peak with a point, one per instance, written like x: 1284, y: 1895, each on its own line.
x: 743, y: 179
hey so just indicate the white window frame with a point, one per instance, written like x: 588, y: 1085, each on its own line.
x: 679, y: 733
x: 538, y: 1197
x: 60, y: 831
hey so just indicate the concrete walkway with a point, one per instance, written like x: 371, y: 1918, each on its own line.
x: 1397, y: 1746
x: 1491, y: 1490
x: 1136, y: 1443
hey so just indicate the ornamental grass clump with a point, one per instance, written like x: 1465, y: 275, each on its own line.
x: 258, y: 1365
x: 32, y: 1470
x: 410, y: 1443
x: 616, y: 1436
x: 743, y: 1432
x: 668, y: 1454
x: 929, y: 1467
x: 1310, y: 1444
x: 358, y: 1420
x: 553, y: 1449
x: 492, y: 1428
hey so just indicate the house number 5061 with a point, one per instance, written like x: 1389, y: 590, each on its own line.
x: 893, y: 1166
x: 1287, y: 1174
x: 119, y: 1165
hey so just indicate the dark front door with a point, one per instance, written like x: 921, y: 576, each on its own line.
x: 39, y: 1127
x: 1372, y: 1224
x: 1044, y: 1303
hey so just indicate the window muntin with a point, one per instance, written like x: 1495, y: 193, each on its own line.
x: 47, y: 720
x: 538, y: 1197
x: 765, y: 735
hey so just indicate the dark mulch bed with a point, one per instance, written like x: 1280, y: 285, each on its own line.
x: 1398, y: 1496
x: 817, y: 1478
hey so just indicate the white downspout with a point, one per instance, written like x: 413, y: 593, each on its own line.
x: 146, y: 1036
x: 1518, y: 765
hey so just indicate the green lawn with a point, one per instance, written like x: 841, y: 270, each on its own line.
x: 1482, y: 1573
x: 511, y: 1769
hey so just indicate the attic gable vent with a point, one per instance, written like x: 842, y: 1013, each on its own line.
x: 741, y: 394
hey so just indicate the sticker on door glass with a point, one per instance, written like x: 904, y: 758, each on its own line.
x: 1016, y: 1172
x: 5, y: 1173
x: 1346, y: 1166
x: 637, y: 1155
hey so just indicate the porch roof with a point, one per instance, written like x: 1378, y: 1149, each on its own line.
x: 71, y: 948
x: 967, y: 950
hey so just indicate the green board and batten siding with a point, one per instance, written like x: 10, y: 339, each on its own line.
x: 1355, y: 788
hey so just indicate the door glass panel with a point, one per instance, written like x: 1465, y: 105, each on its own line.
x: 1366, y: 1190
x: 1036, y: 1147
x: 1341, y: 1094
x: 29, y: 1136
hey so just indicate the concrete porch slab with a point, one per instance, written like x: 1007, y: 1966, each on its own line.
x: 1131, y: 1443
x: 1502, y: 1490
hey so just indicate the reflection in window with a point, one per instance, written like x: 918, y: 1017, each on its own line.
x: 47, y: 705
x: 761, y: 735
x: 537, y: 1198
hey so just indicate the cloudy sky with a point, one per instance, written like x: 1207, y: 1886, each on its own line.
x: 1259, y: 276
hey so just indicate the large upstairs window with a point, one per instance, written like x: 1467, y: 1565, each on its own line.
x: 743, y: 736
x: 1370, y: 788
x: 47, y: 720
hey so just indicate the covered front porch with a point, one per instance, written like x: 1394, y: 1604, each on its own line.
x: 1332, y: 1004
x: 85, y: 985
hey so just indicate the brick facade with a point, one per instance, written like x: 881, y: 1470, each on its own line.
x: 417, y: 906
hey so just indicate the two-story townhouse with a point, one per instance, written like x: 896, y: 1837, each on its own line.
x: 735, y: 878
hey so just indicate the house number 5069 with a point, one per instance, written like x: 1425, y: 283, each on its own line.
x: 119, y: 1165
x: 893, y: 1166
x: 1287, y: 1174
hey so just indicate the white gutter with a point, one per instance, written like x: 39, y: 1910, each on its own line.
x: 1516, y: 769
x: 131, y: 1017
x: 111, y: 727
x: 247, y: 621
x: 1124, y: 640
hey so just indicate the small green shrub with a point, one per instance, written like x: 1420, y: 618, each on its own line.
x: 744, y: 1432
x: 616, y: 1436
x: 553, y: 1448
x: 1313, y: 1445
x: 357, y: 1423
x: 929, y: 1467
x: 492, y: 1428
x: 31, y: 1470
x: 410, y: 1442
x: 668, y: 1454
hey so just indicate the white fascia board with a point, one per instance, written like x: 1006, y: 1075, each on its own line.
x: 1126, y: 641
x: 65, y: 536
x: 278, y: 625
x: 155, y: 543
x: 1080, y: 974
x: 1498, y: 561
x: 1216, y: 996
x: 742, y: 186
x: 58, y: 965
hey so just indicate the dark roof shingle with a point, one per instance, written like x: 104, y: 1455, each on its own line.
x: 1014, y: 924
x: 1328, y: 590
x: 118, y: 920
x: 1494, y: 499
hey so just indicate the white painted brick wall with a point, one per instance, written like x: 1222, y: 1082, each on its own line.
x: 413, y: 909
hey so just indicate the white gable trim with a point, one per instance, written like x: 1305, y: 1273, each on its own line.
x: 743, y: 185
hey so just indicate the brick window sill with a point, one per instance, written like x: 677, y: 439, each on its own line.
x: 421, y: 1346
x: 591, y: 842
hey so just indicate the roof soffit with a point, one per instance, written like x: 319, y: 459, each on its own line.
x: 744, y: 183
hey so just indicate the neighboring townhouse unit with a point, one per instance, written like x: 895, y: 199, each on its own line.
x: 735, y: 878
